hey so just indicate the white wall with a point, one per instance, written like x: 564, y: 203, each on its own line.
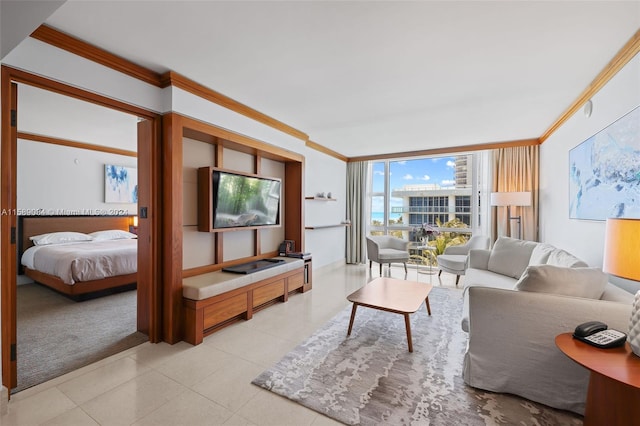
x: 581, y: 237
x: 325, y: 174
x: 57, y: 180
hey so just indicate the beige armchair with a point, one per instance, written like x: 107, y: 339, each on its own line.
x: 387, y: 249
x: 454, y: 258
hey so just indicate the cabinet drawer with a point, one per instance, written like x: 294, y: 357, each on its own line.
x: 268, y: 292
x: 296, y: 281
x: 222, y: 311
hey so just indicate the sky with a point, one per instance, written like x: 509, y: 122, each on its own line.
x: 429, y: 171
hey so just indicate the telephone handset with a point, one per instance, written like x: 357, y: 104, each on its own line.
x: 598, y: 334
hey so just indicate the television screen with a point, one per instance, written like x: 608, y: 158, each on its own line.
x: 242, y: 200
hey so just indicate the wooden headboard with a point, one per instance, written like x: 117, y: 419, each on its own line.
x: 35, y: 225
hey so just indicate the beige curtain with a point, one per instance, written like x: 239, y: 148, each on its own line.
x: 516, y: 169
x: 356, y: 211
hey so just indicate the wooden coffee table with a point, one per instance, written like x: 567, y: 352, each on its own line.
x: 391, y: 295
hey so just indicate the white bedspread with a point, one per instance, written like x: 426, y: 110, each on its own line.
x: 84, y: 261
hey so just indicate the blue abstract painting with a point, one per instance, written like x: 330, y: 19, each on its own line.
x: 120, y: 184
x: 604, y: 172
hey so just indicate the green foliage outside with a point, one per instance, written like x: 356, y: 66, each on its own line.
x: 441, y: 241
x: 449, y: 238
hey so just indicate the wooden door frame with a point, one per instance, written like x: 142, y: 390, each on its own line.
x: 149, y: 160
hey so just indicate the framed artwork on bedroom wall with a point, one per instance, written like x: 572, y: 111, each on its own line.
x: 604, y: 172
x: 120, y: 184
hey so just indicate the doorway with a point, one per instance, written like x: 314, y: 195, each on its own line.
x: 148, y: 162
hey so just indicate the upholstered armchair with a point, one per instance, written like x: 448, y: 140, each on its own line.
x: 454, y: 258
x: 387, y: 249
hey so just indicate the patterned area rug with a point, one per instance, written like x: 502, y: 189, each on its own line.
x: 370, y: 378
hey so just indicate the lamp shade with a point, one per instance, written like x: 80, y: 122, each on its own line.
x: 622, y: 248
x: 510, y: 199
x: 135, y: 221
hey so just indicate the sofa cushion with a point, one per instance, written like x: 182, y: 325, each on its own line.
x: 482, y: 278
x: 559, y: 257
x: 510, y: 256
x: 540, y: 254
x: 613, y: 293
x: 391, y: 255
x: 579, y: 282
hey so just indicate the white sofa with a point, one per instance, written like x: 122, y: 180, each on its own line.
x: 518, y: 297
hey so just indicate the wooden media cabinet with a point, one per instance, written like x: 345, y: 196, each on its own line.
x: 214, y: 300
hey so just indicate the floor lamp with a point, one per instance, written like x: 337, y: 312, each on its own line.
x: 508, y: 199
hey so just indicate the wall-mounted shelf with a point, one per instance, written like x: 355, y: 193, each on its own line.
x: 327, y: 226
x: 321, y: 198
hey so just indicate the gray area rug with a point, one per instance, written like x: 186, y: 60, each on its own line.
x: 370, y: 378
x: 57, y: 335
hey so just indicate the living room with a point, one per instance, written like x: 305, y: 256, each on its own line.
x: 324, y: 171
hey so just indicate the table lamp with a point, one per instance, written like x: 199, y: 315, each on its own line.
x: 621, y: 258
x: 508, y: 199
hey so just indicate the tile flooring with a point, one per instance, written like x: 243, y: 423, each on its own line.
x: 208, y: 384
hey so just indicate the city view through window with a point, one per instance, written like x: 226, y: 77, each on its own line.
x: 430, y: 193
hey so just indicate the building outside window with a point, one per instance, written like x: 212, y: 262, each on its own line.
x: 406, y: 194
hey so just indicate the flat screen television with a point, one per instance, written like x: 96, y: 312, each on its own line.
x: 243, y: 200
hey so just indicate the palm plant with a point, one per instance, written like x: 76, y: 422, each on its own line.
x: 449, y: 238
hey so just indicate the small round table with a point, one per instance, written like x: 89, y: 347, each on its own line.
x: 613, y: 397
x: 431, y: 250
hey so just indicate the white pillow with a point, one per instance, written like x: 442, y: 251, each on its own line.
x: 541, y: 253
x: 510, y: 257
x: 579, y: 282
x: 112, y: 234
x: 559, y: 257
x: 59, y: 238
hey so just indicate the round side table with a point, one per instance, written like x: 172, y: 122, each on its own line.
x: 613, y: 397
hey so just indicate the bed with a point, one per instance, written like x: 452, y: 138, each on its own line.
x: 79, y: 268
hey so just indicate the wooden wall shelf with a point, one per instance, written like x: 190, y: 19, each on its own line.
x: 321, y: 198
x: 327, y: 226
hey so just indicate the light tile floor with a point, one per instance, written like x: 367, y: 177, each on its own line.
x: 208, y: 384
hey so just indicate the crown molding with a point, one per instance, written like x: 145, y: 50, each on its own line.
x: 622, y: 58
x: 174, y: 79
x: 74, y: 144
x: 325, y: 150
x: 448, y: 150
x: 88, y: 51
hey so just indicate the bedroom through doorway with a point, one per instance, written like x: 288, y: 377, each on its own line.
x: 63, y: 149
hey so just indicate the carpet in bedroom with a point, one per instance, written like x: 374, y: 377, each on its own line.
x: 57, y: 335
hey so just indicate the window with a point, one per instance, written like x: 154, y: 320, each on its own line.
x: 432, y: 190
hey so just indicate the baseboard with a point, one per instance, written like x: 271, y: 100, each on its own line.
x: 4, y: 400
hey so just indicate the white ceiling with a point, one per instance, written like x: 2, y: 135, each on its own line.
x: 374, y: 77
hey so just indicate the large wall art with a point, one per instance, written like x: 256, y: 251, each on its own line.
x: 604, y: 172
x: 120, y: 184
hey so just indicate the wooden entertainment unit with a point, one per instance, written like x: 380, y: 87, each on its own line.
x: 214, y: 300
x: 187, y: 318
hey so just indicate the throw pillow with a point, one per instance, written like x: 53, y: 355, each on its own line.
x: 541, y: 253
x: 510, y: 257
x: 560, y: 257
x: 579, y: 282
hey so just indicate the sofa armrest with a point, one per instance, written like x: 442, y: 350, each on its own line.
x: 479, y: 258
x: 512, y: 343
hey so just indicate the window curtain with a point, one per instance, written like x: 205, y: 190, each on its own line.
x: 516, y: 169
x: 356, y: 211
